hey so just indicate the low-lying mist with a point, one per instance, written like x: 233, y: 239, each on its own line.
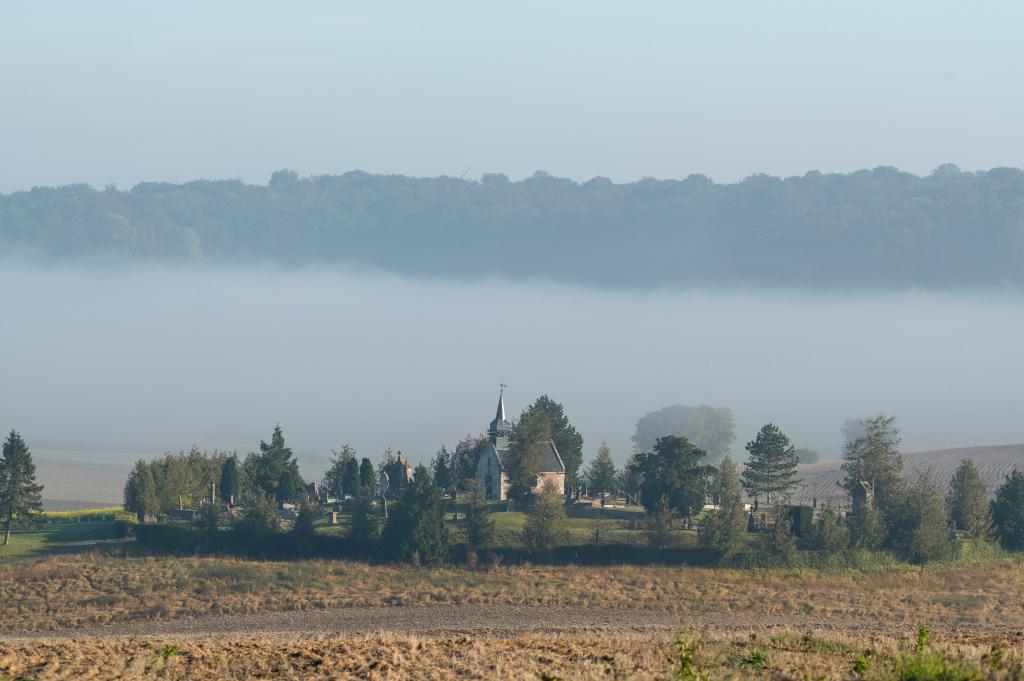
x: 117, y: 364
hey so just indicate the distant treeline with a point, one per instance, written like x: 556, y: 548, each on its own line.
x: 872, y: 228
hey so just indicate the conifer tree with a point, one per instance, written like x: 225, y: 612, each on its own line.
x: 367, y: 477
x: 830, y: 532
x: 630, y: 478
x: 274, y: 471
x: 334, y: 478
x: 779, y: 541
x: 415, y: 530
x: 464, y: 459
x: 659, y: 524
x: 867, y: 528
x: 362, y: 527
x: 20, y: 498
x: 568, y: 442
x: 230, y: 481
x: 918, y: 526
x: 673, y: 474
x: 967, y: 501
x: 723, y: 530
x: 525, y: 453
x: 874, y: 459
x: 546, y: 522
x: 140, y: 493
x: 771, y: 467
x: 441, y: 468
x: 1008, y: 511
x: 601, y: 474
x: 479, y: 523
x: 350, y: 477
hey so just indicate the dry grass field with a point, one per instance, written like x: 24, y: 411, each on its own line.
x: 108, y: 615
x: 68, y: 591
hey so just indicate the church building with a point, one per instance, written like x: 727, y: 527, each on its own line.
x: 491, y: 475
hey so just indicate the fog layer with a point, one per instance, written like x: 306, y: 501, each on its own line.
x: 112, y: 365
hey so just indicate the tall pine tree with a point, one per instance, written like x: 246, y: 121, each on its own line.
x: 601, y: 474
x: 771, y: 467
x: 230, y: 479
x: 350, y: 477
x: 874, y: 459
x: 546, y: 522
x: 568, y: 442
x: 140, y: 493
x: 967, y: 501
x: 415, y: 530
x: 1008, y: 511
x: 367, y: 477
x: 723, y: 530
x: 274, y: 471
x: 524, y: 461
x: 20, y: 496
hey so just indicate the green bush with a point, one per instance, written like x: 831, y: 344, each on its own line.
x: 124, y: 524
x: 928, y: 664
x: 801, y: 520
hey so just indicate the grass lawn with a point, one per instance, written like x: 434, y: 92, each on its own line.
x: 582, y: 527
x: 39, y: 541
x: 622, y: 525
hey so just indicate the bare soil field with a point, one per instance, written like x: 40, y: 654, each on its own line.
x: 994, y: 463
x: 743, y: 652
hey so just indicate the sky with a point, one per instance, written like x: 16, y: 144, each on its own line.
x: 109, y: 366
x: 123, y: 92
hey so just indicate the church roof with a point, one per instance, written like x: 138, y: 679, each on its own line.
x: 550, y: 461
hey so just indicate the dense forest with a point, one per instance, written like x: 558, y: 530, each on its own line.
x: 869, y: 228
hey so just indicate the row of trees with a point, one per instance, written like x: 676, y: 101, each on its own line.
x: 186, y: 478
x: 348, y: 475
x: 771, y: 467
x: 414, y: 531
x: 675, y: 471
x: 912, y: 518
x: 877, y: 226
x: 158, y: 486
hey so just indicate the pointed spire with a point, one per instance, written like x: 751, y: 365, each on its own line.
x: 500, y: 427
x: 500, y: 415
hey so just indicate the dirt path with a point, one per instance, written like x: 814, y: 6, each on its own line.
x: 492, y: 619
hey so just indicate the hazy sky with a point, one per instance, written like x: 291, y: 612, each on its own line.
x: 119, y: 92
x: 117, y: 364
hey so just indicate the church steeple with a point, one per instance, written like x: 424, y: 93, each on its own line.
x: 500, y: 428
x: 500, y: 416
